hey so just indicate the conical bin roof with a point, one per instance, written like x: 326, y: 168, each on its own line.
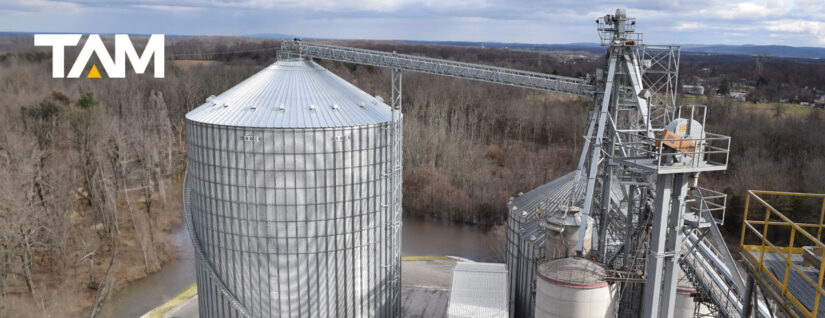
x: 294, y: 93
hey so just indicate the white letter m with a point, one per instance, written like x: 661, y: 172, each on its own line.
x: 154, y: 48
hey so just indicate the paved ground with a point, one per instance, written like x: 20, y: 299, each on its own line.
x: 188, y: 309
x: 430, y: 272
x: 425, y: 291
x: 423, y: 302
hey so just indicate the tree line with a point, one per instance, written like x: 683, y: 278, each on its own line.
x: 90, y: 179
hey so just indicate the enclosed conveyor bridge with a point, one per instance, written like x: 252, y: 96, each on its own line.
x: 478, y: 72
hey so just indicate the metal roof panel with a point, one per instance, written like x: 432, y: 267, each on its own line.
x: 294, y: 93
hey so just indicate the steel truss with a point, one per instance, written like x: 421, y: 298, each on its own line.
x: 396, y: 166
x: 478, y: 72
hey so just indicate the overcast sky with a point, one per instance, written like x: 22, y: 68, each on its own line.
x: 788, y: 22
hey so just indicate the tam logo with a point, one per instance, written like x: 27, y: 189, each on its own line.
x: 114, y: 68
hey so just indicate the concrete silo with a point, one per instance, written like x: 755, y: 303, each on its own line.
x: 293, y: 197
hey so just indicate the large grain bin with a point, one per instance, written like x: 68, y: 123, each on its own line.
x: 292, y: 197
x: 573, y: 287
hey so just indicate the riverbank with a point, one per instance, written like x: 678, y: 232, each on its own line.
x: 419, y: 237
x: 136, y: 296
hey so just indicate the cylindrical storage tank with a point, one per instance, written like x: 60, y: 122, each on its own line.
x: 573, y: 287
x: 686, y: 305
x: 562, y: 234
x: 293, y: 197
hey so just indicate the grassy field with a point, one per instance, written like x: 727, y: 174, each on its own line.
x: 785, y: 108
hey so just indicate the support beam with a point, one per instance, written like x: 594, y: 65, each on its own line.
x: 396, y: 89
x: 747, y: 301
x: 634, y: 71
x: 595, y: 152
x: 629, y: 247
x: 396, y: 168
x: 656, y: 254
x: 662, y: 269
x: 673, y: 246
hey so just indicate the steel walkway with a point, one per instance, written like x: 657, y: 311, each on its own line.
x: 773, y: 248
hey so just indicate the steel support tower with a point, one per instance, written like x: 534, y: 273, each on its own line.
x: 396, y: 166
x: 664, y: 221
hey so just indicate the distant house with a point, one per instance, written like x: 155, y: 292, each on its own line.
x: 820, y: 101
x: 739, y: 95
x: 693, y: 89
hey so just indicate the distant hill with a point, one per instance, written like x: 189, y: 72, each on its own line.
x: 578, y: 47
x: 768, y: 50
x: 783, y: 51
x: 271, y: 35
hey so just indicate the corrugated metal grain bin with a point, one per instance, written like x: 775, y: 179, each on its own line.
x: 293, y: 197
x: 526, y: 239
x: 527, y: 242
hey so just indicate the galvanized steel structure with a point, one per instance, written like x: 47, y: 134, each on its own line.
x: 478, y: 72
x: 526, y: 239
x: 625, y: 180
x: 293, y: 197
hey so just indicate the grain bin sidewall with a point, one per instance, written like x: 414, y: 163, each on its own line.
x: 271, y: 271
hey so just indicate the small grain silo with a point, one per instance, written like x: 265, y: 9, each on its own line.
x: 526, y: 239
x: 573, y: 287
x: 531, y: 217
x: 293, y: 197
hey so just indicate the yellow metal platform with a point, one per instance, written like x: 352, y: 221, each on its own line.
x: 771, y: 246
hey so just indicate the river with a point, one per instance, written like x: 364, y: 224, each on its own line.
x: 420, y: 238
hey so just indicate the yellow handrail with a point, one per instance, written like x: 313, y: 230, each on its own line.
x: 785, y: 252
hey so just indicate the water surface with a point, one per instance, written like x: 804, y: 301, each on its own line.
x: 419, y: 238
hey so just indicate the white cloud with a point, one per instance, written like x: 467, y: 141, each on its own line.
x: 746, y: 10
x: 382, y: 6
x: 41, y: 5
x: 168, y: 8
x: 815, y: 28
x: 682, y: 26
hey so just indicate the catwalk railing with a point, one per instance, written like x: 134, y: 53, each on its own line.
x: 781, y: 250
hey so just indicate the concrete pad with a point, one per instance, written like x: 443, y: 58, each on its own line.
x: 189, y: 309
x: 424, y: 302
x: 436, y: 273
x: 425, y: 291
x: 182, y: 298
